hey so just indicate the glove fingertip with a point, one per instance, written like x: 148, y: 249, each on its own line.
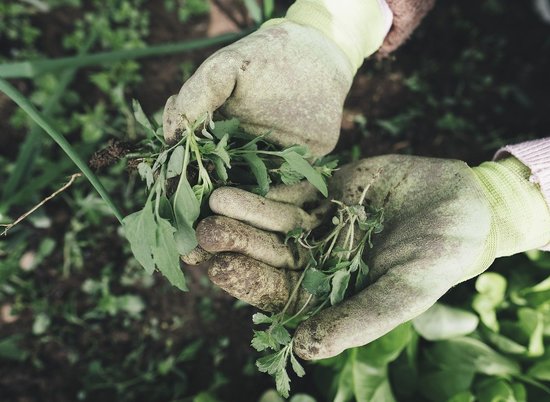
x: 309, y: 342
x: 196, y: 256
x: 172, y: 121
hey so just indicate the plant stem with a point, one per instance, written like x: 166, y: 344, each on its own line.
x: 24, y: 104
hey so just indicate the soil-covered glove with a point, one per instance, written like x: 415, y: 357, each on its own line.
x: 444, y: 223
x: 290, y: 77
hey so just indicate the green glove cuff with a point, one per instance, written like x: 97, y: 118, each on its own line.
x: 521, y: 217
x: 358, y: 27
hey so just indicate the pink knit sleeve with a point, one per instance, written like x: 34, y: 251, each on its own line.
x: 536, y: 156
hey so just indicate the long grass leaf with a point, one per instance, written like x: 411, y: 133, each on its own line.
x: 24, y: 104
x: 31, y: 69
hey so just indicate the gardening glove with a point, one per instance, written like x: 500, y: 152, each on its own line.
x: 290, y: 78
x: 444, y: 223
x: 407, y: 15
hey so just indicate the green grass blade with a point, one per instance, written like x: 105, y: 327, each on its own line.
x: 24, y: 104
x: 31, y: 147
x: 31, y: 69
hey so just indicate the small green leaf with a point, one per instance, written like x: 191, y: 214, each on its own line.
x: 165, y: 254
x: 224, y: 127
x: 288, y: 175
x: 263, y: 340
x: 280, y: 334
x: 443, y: 322
x: 185, y: 238
x: 260, y: 318
x: 339, y: 284
x: 540, y: 370
x: 185, y: 203
x: 161, y: 159
x: 282, y: 382
x: 139, y: 229
x: 146, y: 173
x: 142, y: 119
x: 221, y: 151
x: 259, y: 170
x: 491, y: 289
x: 316, y: 282
x: 10, y: 350
x: 175, y: 163
x: 271, y: 363
x: 221, y: 170
x: 296, y: 366
x: 300, y: 165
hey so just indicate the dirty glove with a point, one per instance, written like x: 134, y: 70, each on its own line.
x: 444, y: 223
x: 290, y: 77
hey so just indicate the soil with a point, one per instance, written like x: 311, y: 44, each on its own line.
x: 510, y: 48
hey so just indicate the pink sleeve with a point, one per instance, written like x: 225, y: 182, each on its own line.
x: 536, y: 156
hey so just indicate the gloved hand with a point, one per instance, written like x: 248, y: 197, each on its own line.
x: 444, y: 223
x: 407, y: 15
x: 290, y: 77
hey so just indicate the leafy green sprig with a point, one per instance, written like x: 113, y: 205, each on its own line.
x: 333, y: 261
x: 164, y: 229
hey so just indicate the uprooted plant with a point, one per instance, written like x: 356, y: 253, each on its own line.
x: 179, y: 177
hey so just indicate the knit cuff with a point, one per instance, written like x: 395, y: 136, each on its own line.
x: 536, y: 156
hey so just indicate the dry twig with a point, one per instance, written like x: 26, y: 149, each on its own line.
x: 45, y: 200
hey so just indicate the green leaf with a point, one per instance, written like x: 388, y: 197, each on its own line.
x: 364, y: 376
x: 300, y: 165
x: 504, y: 343
x: 282, y: 382
x: 261, y: 318
x: 185, y: 203
x: 491, y: 289
x: 280, y: 334
x: 296, y: 366
x: 316, y: 282
x: 142, y: 119
x: 175, y: 163
x: 146, y: 173
x: 288, y: 175
x: 468, y: 354
x: 225, y: 127
x: 161, y: 159
x: 442, y: 384
x: 531, y: 322
x: 263, y: 340
x: 185, y: 238
x: 302, y: 398
x: 221, y: 151
x: 495, y: 390
x: 254, y: 10
x: 464, y: 396
x: 139, y: 229
x: 271, y: 363
x: 443, y: 322
x: 540, y: 370
x: 339, y: 283
x: 221, y: 170
x: 259, y: 170
x: 166, y: 256
x: 10, y: 350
